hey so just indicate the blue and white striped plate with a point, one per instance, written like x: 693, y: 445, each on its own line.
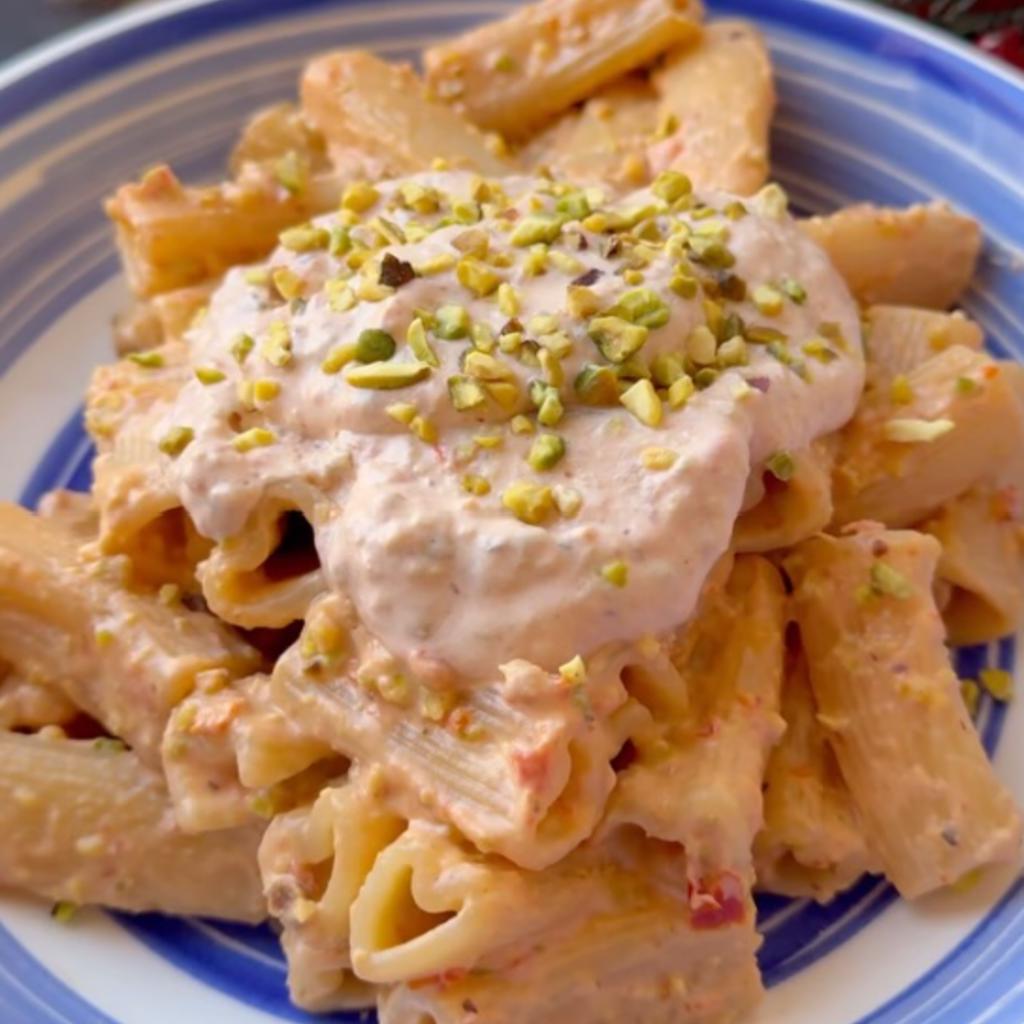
x: 873, y: 107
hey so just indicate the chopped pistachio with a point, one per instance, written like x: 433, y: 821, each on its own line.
x: 402, y: 412
x: 671, y: 185
x: 574, y: 672
x: 732, y: 352
x: 374, y: 345
x: 705, y: 377
x: 338, y: 357
x: 465, y: 393
x: 683, y: 284
x: 794, y: 290
x: 900, y: 390
x: 150, y: 360
x: 258, y: 277
x: 387, y: 376
x: 421, y: 199
x: 288, y: 284
x: 290, y: 172
x: 667, y: 368
x: 531, y: 230
x: 416, y: 339
x: 971, y: 693
x: 508, y: 299
x: 680, y: 391
x: 424, y: 429
x: 359, y: 197
x: 483, y: 338
x: 176, y: 440
x: 641, y: 306
x: 701, y: 345
x: 504, y: 392
x: 510, y: 342
x: 63, y: 911
x: 466, y: 211
x: 966, y: 386
x: 209, y: 375
x: 568, y: 500
x: 597, y: 385
x: 451, y: 322
x: 583, y: 302
x: 169, y: 594
x: 521, y: 424
x: 340, y: 297
x: 768, y: 300
x: 489, y: 441
x: 633, y: 276
x: 616, y: 573
x: 486, y: 367
x: 885, y: 580
x: 477, y: 277
x: 781, y: 466
x: 710, y: 251
x: 536, y: 261
x: 634, y: 368
x: 761, y: 334
x: 564, y: 262
x: 371, y: 290
x: 643, y: 402
x: 574, y: 206
x: 339, y: 241
x: 998, y: 682
x: 772, y: 201
x: 818, y: 349
x: 915, y: 431
x: 435, y: 264
x: 256, y: 437
x: 552, y: 367
x: 831, y: 330
x: 478, y: 485
x: 529, y: 502
x: 304, y: 238
x: 546, y: 452
x: 617, y: 339
x: 551, y: 409
x: 658, y: 459
x: 241, y: 347
x: 277, y: 349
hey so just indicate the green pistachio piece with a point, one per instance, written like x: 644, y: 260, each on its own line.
x: 451, y: 323
x: 617, y: 339
x: 387, y: 376
x: 374, y: 346
x: 546, y: 452
x: 641, y: 306
x: 597, y: 385
x: 465, y: 393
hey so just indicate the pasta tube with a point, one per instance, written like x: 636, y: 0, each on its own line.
x: 930, y: 803
x: 511, y: 76
x: 89, y: 824
x: 924, y: 255
x: 716, y: 101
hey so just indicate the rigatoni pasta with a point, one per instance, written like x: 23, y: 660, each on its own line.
x: 476, y: 577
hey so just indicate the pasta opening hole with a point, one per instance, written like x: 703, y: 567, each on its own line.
x: 168, y: 548
x: 405, y: 918
x: 295, y: 554
x: 625, y: 757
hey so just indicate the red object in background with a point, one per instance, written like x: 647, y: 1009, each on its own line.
x: 1007, y: 43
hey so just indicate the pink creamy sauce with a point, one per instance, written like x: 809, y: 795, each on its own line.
x: 437, y: 573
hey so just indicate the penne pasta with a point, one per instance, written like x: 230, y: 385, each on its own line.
x: 279, y: 135
x: 812, y: 844
x: 511, y: 76
x: 982, y: 561
x: 930, y: 804
x: 716, y: 101
x: 955, y: 422
x: 125, y: 658
x: 90, y: 824
x: 924, y: 255
x: 360, y: 104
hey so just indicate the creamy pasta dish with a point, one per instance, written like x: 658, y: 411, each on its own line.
x: 517, y: 538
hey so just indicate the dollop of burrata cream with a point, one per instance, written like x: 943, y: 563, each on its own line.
x: 520, y: 415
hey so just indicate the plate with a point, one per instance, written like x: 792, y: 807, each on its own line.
x: 873, y: 106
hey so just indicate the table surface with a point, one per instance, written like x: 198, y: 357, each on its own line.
x: 997, y: 24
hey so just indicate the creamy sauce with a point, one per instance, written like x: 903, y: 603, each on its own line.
x: 438, y: 573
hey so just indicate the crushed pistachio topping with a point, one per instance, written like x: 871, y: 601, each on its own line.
x: 535, y: 230
x: 616, y: 573
x: 291, y: 172
x: 176, y: 440
x: 769, y: 300
x: 63, y: 911
x: 643, y: 402
x: 466, y: 393
x: 997, y: 682
x: 451, y: 323
x: 781, y: 465
x: 971, y: 694
x: 574, y: 671
x: 794, y: 290
x: 772, y: 201
x: 277, y: 349
x: 402, y: 412
x: 256, y: 437
x: 305, y: 238
x: 671, y: 186
x: 209, y: 375
x: 732, y: 352
x: 966, y: 386
x: 701, y: 345
x: 529, y: 502
x: 151, y: 360
x: 288, y: 284
x: 818, y: 349
x: 339, y: 357
x: 241, y: 347
x: 658, y: 459
x: 546, y: 452
x: 258, y: 277
x: 435, y: 264
x: 900, y: 390
x: 480, y: 279
x: 476, y: 485
x: 387, y: 376
x: 641, y: 306
x: 551, y: 410
x: 340, y: 297
x: 359, y: 197
x: 889, y: 582
x: 616, y: 338
x: 915, y: 431
x: 568, y: 500
x: 169, y: 594
x: 520, y: 424
x: 416, y: 339
x: 374, y: 345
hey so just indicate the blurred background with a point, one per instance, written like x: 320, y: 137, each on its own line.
x: 995, y: 25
